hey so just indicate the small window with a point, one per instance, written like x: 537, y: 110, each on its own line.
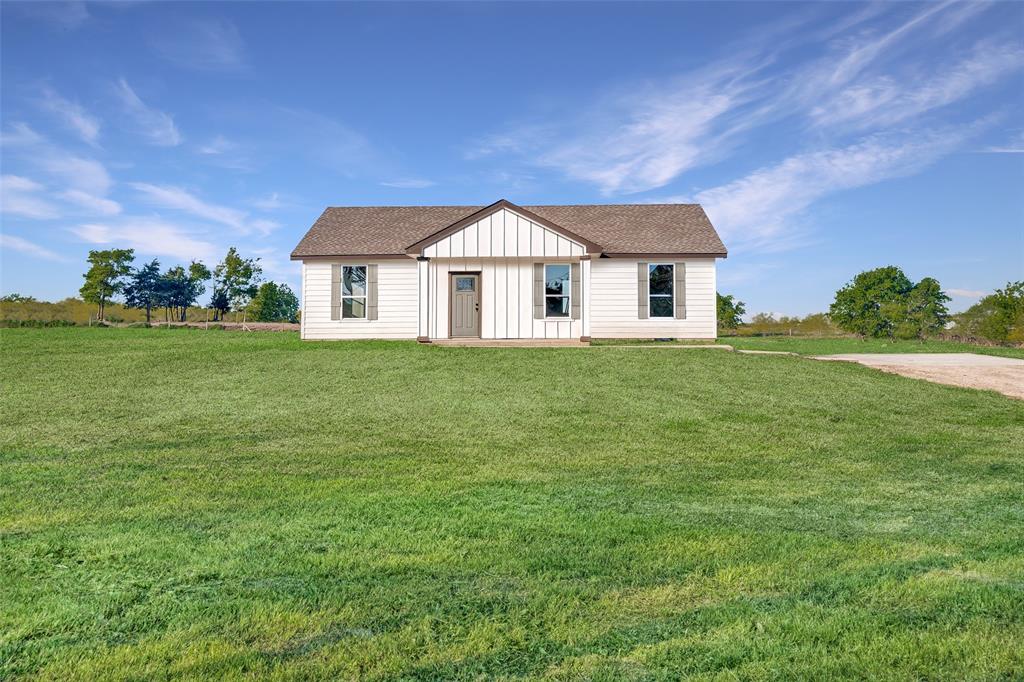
x: 465, y: 283
x: 556, y: 290
x: 353, y: 291
x: 662, y: 283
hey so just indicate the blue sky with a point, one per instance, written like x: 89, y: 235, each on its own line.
x: 822, y: 139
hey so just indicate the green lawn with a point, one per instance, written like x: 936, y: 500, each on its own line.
x: 197, y: 504
x: 804, y: 345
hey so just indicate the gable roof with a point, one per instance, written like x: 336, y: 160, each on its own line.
x: 613, y: 229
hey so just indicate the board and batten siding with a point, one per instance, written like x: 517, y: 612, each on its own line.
x: 397, y: 302
x: 504, y: 234
x: 613, y: 303
x: 506, y: 299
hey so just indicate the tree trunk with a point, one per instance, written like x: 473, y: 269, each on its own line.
x: 147, y: 313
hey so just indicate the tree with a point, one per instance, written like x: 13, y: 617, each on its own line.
x: 180, y: 288
x: 143, y: 289
x: 868, y: 305
x: 17, y: 298
x: 885, y: 303
x: 999, y: 316
x: 220, y: 303
x: 275, y: 303
x: 925, y: 313
x: 103, y: 280
x: 730, y: 312
x: 237, y: 278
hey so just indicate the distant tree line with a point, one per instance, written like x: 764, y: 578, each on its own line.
x: 885, y: 303
x: 236, y: 286
x: 998, y: 317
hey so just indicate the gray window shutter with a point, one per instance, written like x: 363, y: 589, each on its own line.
x: 538, y: 291
x: 371, y: 291
x: 643, y: 284
x: 574, y: 276
x: 335, y: 292
x: 680, y: 290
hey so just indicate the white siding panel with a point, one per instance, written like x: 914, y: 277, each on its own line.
x: 500, y: 300
x: 523, y: 247
x: 397, y: 303
x: 511, y: 234
x: 613, y: 306
x: 506, y: 300
x: 550, y: 243
x: 504, y: 234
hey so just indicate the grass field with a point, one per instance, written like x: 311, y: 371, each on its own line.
x: 187, y: 504
x: 833, y: 346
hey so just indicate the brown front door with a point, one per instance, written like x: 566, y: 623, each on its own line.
x: 465, y: 308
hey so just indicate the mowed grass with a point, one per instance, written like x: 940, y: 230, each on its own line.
x: 188, y: 504
x: 804, y: 345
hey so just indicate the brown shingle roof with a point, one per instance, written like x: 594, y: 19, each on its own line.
x: 617, y: 228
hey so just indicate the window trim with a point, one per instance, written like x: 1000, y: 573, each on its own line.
x: 650, y: 296
x: 567, y: 296
x: 365, y: 297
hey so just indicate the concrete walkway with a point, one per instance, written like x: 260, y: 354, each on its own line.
x: 987, y: 372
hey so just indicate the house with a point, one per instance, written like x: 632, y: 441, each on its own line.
x: 510, y: 272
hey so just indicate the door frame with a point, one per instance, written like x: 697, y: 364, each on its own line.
x: 452, y: 274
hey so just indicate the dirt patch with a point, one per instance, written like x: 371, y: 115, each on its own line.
x: 969, y: 370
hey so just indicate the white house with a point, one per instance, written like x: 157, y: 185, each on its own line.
x: 510, y: 272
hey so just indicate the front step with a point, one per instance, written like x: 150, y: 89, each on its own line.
x: 511, y: 343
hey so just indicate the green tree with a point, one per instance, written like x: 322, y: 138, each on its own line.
x: 925, y: 312
x: 103, y: 280
x: 143, y: 288
x: 1005, y: 318
x: 238, y: 278
x: 730, y: 312
x: 873, y: 303
x: 180, y: 288
x: 275, y: 303
x: 220, y: 303
x: 17, y: 298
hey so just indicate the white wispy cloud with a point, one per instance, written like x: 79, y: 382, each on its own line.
x: 888, y: 100
x: 20, y: 135
x: 85, y: 181
x: 409, y: 183
x: 20, y: 196
x: 71, y: 114
x: 155, y: 125
x: 149, y: 236
x: 204, y: 45
x: 218, y: 145
x: 93, y: 204
x: 180, y: 199
x: 88, y: 175
x: 862, y: 76
x: 763, y: 208
x: 965, y: 293
x: 15, y: 243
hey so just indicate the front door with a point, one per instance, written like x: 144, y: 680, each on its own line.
x: 465, y: 318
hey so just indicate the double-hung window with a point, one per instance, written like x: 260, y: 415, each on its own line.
x: 661, y: 277
x: 353, y: 292
x: 557, y: 290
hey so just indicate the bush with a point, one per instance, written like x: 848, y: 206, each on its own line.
x: 38, y: 324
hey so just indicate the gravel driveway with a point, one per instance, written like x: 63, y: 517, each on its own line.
x: 989, y: 372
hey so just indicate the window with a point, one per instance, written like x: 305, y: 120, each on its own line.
x: 556, y: 290
x: 465, y: 283
x: 661, y: 281
x: 353, y: 291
